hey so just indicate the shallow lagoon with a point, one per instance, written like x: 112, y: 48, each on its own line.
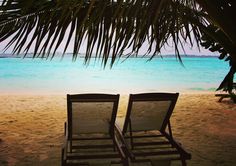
x: 132, y: 75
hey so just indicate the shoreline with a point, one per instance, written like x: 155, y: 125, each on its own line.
x: 36, y: 93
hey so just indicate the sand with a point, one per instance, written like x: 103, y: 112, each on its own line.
x: 31, y: 129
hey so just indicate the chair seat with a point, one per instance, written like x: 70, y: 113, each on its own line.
x: 145, y: 129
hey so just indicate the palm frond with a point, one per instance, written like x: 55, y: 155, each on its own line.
x: 110, y: 27
x: 220, y: 35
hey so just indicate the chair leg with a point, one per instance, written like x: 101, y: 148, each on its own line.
x: 71, y: 146
x: 183, y: 162
x: 114, y: 147
x: 125, y: 161
x: 62, y: 157
x: 170, y: 131
x: 131, y: 135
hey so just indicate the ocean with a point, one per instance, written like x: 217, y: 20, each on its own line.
x: 133, y: 75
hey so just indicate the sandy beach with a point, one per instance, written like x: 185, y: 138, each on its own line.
x: 32, y: 126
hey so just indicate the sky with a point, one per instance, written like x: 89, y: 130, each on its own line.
x: 165, y: 51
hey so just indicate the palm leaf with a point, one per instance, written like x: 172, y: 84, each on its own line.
x: 111, y: 26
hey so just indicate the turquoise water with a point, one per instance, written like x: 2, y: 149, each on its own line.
x: 134, y: 75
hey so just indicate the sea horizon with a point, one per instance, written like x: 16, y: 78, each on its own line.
x: 82, y: 55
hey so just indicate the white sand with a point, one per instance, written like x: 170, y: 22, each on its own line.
x: 31, y: 129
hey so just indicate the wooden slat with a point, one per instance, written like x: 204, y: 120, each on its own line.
x: 90, y: 138
x: 151, y: 143
x: 145, y: 136
x: 170, y: 152
x: 92, y: 146
x: 71, y: 156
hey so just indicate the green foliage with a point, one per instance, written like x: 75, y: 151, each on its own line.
x: 221, y: 14
x: 214, y: 44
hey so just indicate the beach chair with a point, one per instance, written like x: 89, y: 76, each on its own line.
x: 145, y: 129
x: 89, y: 131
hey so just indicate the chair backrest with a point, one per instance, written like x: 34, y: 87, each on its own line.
x: 149, y: 111
x: 91, y: 113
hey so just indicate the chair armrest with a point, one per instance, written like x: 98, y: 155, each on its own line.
x: 178, y: 146
x: 63, y: 156
x: 124, y: 145
x: 64, y: 151
x: 120, y: 148
x: 65, y: 130
x: 65, y: 140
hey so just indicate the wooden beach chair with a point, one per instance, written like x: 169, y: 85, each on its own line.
x: 89, y: 131
x: 145, y: 129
